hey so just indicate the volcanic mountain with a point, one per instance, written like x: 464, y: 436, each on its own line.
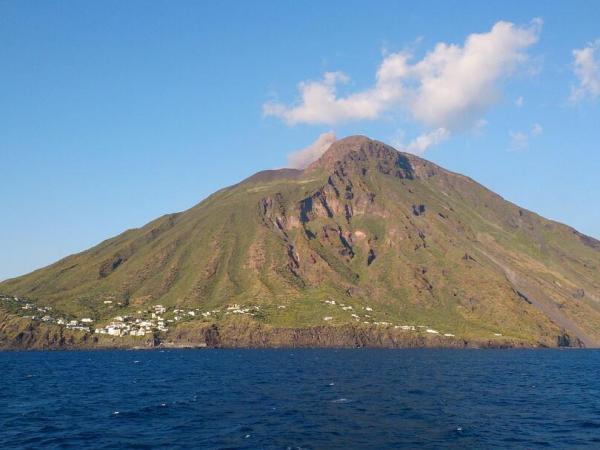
x: 368, y: 240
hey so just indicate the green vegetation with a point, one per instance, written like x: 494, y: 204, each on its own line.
x: 364, y: 227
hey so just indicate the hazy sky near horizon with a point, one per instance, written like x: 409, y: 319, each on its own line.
x: 113, y: 113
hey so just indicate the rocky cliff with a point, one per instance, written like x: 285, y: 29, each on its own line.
x: 367, y: 246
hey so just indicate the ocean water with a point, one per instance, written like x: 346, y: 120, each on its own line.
x: 361, y: 398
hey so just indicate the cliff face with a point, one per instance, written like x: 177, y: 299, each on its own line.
x: 362, y: 248
x: 21, y: 334
x: 17, y: 333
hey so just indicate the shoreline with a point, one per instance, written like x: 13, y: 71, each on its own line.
x: 252, y: 335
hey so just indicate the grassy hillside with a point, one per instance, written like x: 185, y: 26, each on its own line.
x: 366, y: 235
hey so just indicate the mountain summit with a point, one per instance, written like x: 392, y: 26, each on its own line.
x: 367, y: 246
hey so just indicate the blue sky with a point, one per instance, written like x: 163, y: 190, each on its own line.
x: 113, y: 113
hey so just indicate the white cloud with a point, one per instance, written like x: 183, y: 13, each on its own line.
x: 458, y: 84
x: 320, y: 103
x: 520, y: 141
x: 449, y: 89
x: 587, y: 69
x: 300, y: 159
x: 397, y: 140
x: 422, y: 143
x: 479, y: 127
x: 519, y: 102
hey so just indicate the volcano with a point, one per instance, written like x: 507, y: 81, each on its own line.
x: 366, y: 246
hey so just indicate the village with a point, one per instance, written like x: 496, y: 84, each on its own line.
x: 29, y: 310
x: 154, y: 319
x: 368, y: 319
x: 158, y: 318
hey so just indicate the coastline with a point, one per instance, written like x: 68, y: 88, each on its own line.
x: 19, y: 334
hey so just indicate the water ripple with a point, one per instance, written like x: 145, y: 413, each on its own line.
x: 300, y: 399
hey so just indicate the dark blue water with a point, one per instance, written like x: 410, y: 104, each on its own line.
x: 301, y: 399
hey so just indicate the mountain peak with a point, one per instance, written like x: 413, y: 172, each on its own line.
x: 352, y: 142
x: 357, y: 144
x: 371, y: 241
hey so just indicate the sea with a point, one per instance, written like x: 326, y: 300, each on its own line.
x: 300, y: 399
